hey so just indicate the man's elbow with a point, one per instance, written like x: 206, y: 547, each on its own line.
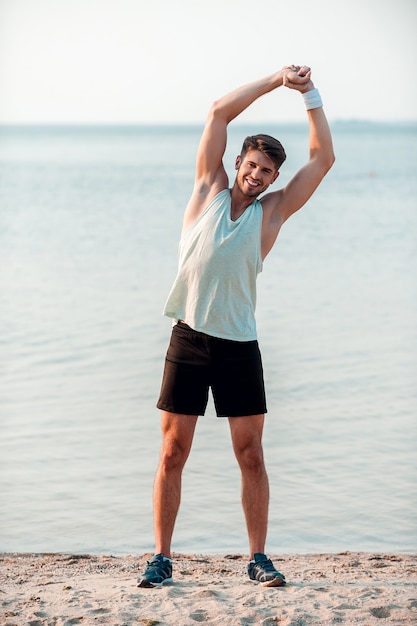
x: 326, y: 161
x: 217, y: 110
x: 329, y: 162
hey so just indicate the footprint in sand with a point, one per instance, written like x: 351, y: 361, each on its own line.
x: 205, y: 593
x: 380, y: 611
x: 199, y: 615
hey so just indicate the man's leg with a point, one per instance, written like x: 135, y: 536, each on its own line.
x: 177, y: 437
x: 247, y: 444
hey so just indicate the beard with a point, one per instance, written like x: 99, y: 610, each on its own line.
x: 246, y: 189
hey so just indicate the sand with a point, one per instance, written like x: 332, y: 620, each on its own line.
x: 346, y: 588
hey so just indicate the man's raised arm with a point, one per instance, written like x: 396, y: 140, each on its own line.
x: 228, y: 107
x: 210, y: 175
x: 321, y: 155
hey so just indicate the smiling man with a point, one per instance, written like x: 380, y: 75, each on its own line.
x: 227, y: 233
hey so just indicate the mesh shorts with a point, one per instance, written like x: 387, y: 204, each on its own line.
x: 196, y: 362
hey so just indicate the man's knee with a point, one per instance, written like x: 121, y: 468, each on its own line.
x: 177, y: 437
x: 173, y: 455
x: 251, y: 458
x: 247, y: 441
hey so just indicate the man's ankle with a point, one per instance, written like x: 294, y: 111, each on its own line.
x: 165, y: 555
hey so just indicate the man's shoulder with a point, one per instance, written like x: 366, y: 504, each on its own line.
x: 272, y: 201
x: 200, y: 201
x: 204, y: 192
x: 215, y: 201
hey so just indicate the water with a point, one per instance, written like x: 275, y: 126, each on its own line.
x: 89, y: 227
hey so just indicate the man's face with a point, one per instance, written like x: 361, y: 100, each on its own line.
x: 255, y: 172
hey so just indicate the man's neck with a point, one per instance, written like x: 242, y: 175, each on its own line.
x: 239, y: 203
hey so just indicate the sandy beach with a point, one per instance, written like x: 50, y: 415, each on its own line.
x: 345, y: 588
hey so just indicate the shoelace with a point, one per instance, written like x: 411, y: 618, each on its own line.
x: 156, y: 566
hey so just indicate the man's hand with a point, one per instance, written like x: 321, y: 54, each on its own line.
x: 297, y: 77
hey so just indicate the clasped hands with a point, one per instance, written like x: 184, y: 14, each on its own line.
x: 297, y: 77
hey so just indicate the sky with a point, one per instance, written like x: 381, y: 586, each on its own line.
x: 165, y: 61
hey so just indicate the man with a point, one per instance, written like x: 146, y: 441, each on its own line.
x: 227, y: 233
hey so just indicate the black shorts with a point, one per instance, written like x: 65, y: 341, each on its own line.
x: 196, y: 361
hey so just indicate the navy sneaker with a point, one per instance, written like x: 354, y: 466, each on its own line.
x: 157, y: 572
x: 262, y: 571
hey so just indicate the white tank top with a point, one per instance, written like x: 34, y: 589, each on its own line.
x: 214, y: 291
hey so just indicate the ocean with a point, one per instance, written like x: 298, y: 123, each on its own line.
x: 89, y: 224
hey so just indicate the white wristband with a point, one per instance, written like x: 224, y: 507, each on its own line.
x: 312, y: 99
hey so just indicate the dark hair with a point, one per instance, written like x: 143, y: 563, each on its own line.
x: 266, y: 144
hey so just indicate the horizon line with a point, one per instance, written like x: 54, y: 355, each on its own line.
x: 5, y: 124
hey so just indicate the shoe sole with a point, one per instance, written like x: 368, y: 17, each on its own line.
x: 275, y: 582
x: 146, y: 584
